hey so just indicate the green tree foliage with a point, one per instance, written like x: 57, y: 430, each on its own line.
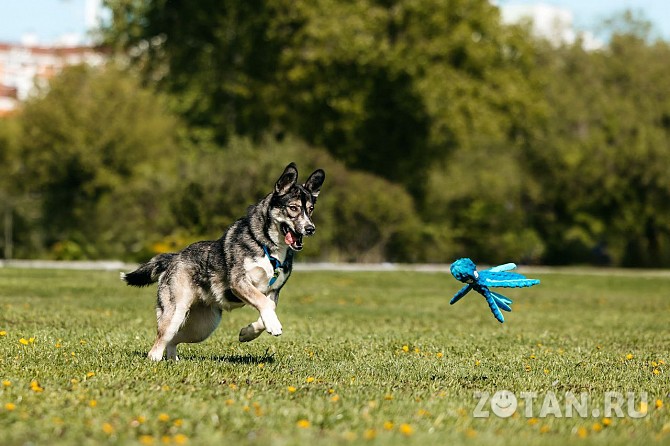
x: 603, y: 161
x: 443, y: 131
x: 388, y: 87
x: 99, y: 151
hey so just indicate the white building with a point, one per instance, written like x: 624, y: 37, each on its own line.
x: 22, y: 66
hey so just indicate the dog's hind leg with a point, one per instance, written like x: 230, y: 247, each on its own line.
x: 171, y: 314
x: 252, y: 331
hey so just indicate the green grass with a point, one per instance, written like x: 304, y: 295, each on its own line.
x: 374, y: 358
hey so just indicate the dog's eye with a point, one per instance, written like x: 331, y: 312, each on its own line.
x: 293, y: 208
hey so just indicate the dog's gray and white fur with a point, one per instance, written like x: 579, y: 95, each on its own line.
x: 197, y: 283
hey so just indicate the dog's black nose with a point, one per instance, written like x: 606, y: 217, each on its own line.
x: 310, y: 229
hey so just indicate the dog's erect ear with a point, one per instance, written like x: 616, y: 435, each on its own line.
x: 287, y: 179
x: 314, y: 182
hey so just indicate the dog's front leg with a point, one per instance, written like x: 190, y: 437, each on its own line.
x: 265, y: 306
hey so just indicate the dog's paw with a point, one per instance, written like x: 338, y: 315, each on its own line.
x: 249, y: 333
x: 155, y: 355
x: 271, y: 322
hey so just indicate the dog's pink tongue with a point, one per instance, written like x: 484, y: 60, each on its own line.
x: 289, y: 239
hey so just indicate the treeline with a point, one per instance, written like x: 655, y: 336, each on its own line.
x: 444, y: 133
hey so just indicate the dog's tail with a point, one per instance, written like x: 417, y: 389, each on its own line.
x: 149, y: 272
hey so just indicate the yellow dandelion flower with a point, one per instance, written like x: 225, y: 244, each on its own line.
x: 24, y: 341
x: 291, y: 389
x: 477, y: 363
x: 137, y: 421
x: 597, y: 427
x: 6, y: 383
x: 546, y: 371
x: 423, y: 413
x: 3, y: 333
x: 439, y: 354
x: 582, y: 432
x: 370, y: 434
x: 229, y: 402
x: 606, y: 422
x: 661, y: 362
x: 163, y: 417
x: 180, y: 439
x: 90, y: 374
x: 533, y: 421
x: 166, y: 439
x: 303, y: 424
x: 416, y: 350
x: 232, y: 386
x: 146, y: 440
x: 405, y: 348
x: 658, y: 404
x: 470, y: 433
x: 629, y: 356
x: 31, y: 340
x: 388, y: 425
x: 93, y: 403
x: 388, y: 397
x: 331, y: 391
x: 656, y: 372
x: 178, y: 422
x: 406, y: 429
x: 10, y: 407
x: 107, y: 428
x: 335, y: 398
x: 654, y: 364
x: 310, y: 379
x: 261, y: 365
x: 35, y: 387
x: 532, y: 356
x: 545, y: 429
x: 58, y: 345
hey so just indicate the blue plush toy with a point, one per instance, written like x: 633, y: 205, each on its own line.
x: 465, y: 271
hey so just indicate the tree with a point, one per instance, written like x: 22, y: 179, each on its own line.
x: 602, y: 163
x: 99, y: 151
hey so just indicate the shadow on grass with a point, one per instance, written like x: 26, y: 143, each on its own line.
x: 265, y: 358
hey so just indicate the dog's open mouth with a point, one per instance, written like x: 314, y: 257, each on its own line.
x: 291, y: 238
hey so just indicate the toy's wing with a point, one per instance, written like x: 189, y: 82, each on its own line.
x: 463, y: 291
x: 506, y: 279
x: 505, y: 267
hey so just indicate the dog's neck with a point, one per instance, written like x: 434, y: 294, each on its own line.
x: 265, y: 231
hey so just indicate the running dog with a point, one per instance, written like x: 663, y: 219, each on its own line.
x: 248, y: 265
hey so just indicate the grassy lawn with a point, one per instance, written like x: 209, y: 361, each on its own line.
x: 372, y: 358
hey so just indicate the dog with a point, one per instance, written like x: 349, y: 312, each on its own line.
x: 248, y: 265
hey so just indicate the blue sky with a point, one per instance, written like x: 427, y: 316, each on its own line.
x: 588, y: 14
x: 51, y: 21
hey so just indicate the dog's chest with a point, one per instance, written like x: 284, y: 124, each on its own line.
x: 264, y: 275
